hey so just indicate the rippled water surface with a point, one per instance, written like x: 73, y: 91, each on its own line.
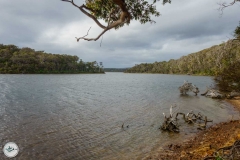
x: 80, y: 116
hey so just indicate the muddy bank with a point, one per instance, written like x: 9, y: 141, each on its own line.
x: 205, y: 143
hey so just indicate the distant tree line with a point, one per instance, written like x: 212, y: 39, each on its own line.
x: 115, y: 69
x: 16, y: 60
x: 206, y: 62
x: 221, y: 61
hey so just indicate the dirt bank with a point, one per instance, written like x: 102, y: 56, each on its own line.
x: 205, y: 142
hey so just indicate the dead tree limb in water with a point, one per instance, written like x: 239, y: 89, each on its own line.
x: 170, y: 123
x: 203, y: 94
x: 193, y: 118
x: 213, y: 93
x: 186, y: 87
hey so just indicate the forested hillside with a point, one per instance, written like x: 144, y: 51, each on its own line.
x: 221, y: 61
x: 206, y: 62
x: 26, y: 60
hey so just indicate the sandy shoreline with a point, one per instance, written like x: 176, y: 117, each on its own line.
x: 204, y: 143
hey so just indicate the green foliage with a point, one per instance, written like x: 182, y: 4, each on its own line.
x: 219, y: 158
x: 237, y: 32
x: 27, y: 60
x: 229, y: 77
x: 140, y: 10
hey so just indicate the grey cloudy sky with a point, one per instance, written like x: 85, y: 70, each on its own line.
x: 184, y: 27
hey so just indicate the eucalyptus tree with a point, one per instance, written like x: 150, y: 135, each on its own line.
x: 117, y: 13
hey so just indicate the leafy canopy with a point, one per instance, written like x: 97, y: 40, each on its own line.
x: 140, y: 10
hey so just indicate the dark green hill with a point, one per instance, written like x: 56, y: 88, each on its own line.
x: 26, y: 60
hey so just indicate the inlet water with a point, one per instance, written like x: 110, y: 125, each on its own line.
x: 81, y: 116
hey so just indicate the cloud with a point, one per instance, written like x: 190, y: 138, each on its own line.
x: 183, y: 27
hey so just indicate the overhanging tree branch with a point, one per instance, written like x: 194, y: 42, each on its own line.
x: 124, y: 17
x: 86, y: 13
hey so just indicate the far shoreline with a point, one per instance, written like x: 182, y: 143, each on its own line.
x: 171, y: 74
x: 46, y: 73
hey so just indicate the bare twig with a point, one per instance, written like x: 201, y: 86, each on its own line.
x: 83, y: 36
x: 225, y: 5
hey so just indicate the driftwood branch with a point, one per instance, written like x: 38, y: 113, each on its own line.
x: 193, y: 118
x: 171, y: 124
x: 186, y: 87
x: 213, y: 93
